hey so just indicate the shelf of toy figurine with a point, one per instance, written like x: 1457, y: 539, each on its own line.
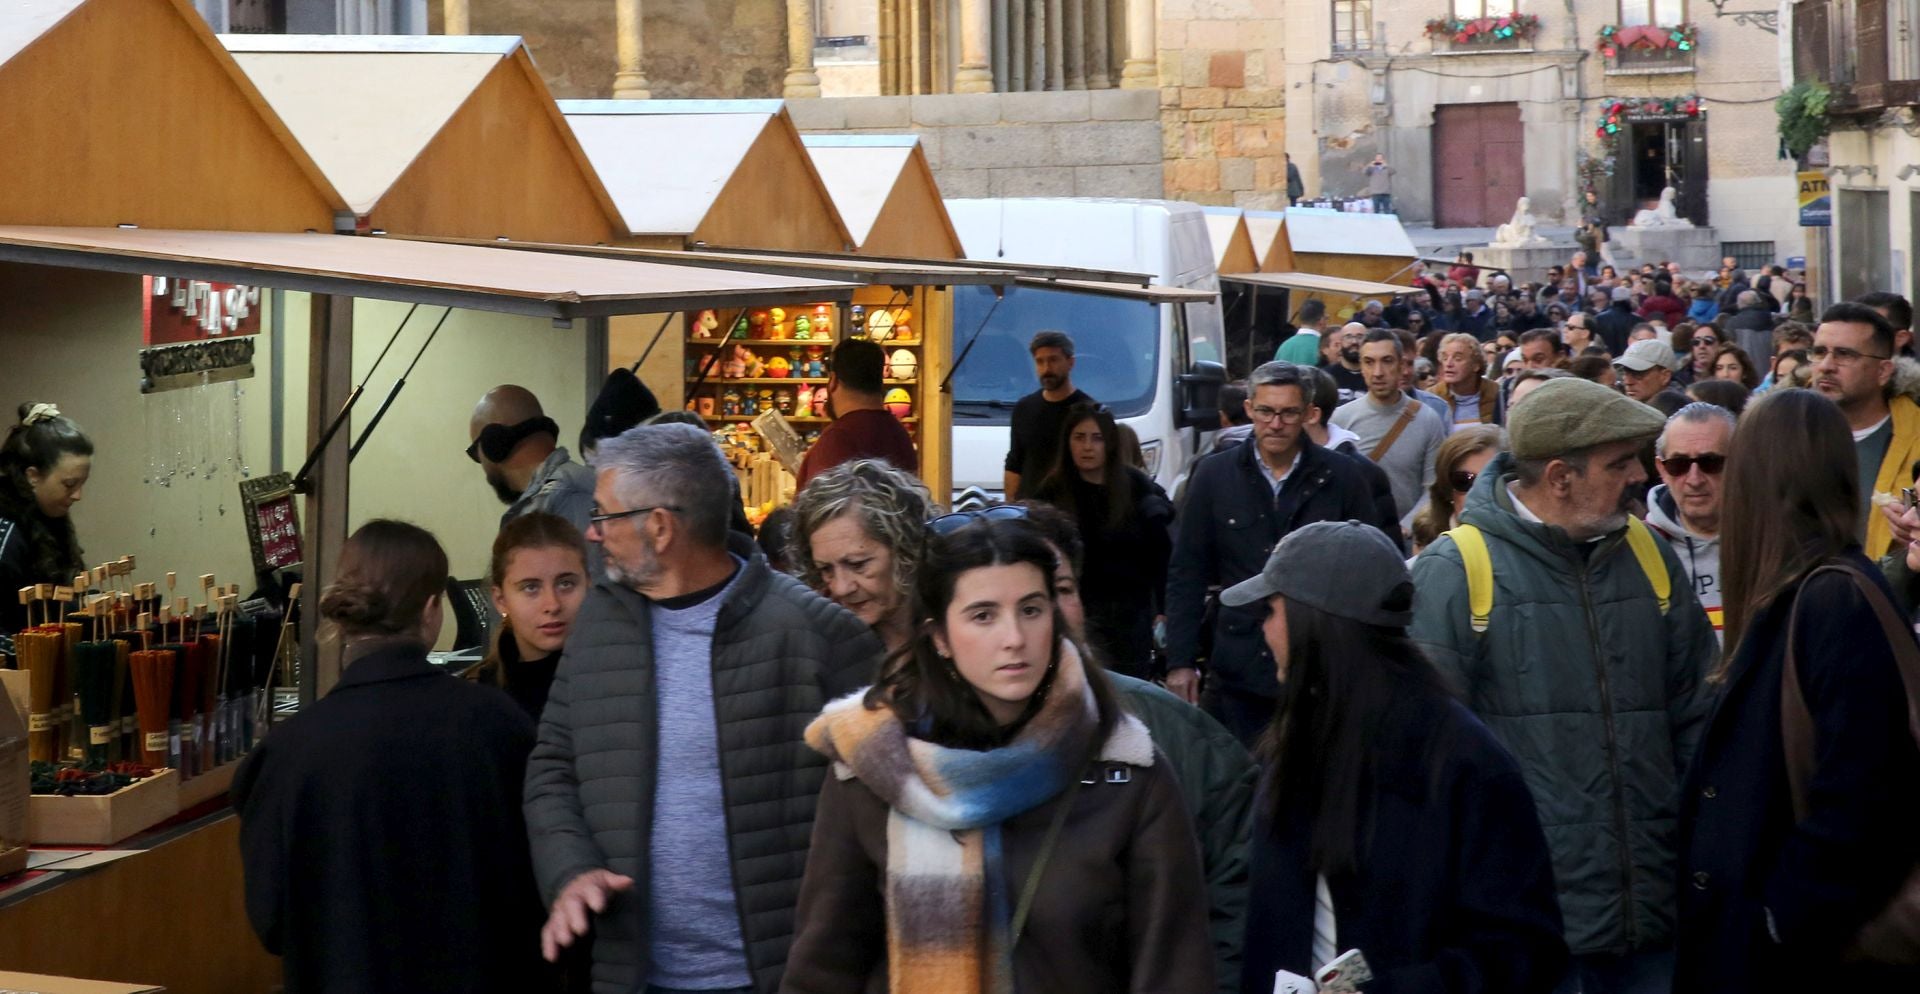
x: 908, y: 343
x: 774, y: 381
x: 910, y: 419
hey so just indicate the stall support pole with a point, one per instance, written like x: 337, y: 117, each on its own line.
x: 802, y: 80
x: 975, y: 74
x: 457, y: 17
x: 1142, y: 71
x: 329, y: 381
x: 630, y: 79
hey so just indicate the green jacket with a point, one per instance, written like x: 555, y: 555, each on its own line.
x: 1600, y: 698
x: 1217, y: 779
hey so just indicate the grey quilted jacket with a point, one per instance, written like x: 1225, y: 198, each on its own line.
x: 780, y: 653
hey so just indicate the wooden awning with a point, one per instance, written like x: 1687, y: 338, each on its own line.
x: 486, y: 279
x: 848, y: 268
x: 1128, y: 291
x: 1314, y: 283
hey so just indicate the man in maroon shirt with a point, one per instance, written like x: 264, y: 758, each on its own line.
x: 862, y: 428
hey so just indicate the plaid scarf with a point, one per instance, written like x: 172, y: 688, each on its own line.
x: 949, y: 907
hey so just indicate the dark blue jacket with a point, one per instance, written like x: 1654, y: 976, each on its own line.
x: 1744, y: 860
x: 1232, y: 521
x: 1454, y: 888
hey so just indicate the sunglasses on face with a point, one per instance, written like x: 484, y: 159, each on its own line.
x: 1461, y: 480
x: 1710, y: 464
x: 947, y: 524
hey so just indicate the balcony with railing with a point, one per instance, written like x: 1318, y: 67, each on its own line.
x: 1475, y: 35
x: 1648, y: 49
x: 1855, y: 47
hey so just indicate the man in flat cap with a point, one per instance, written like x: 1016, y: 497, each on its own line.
x: 1569, y: 627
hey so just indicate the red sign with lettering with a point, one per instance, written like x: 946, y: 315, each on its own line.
x: 279, y: 534
x: 179, y: 310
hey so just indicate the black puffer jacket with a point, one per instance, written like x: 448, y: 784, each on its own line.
x: 780, y: 654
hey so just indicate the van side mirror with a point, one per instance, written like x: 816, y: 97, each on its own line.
x: 1200, y: 388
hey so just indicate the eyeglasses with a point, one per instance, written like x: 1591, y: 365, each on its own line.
x: 1699, y: 340
x: 1841, y: 354
x: 600, y: 518
x: 1711, y: 464
x: 1461, y: 480
x: 947, y: 524
x: 1287, y: 415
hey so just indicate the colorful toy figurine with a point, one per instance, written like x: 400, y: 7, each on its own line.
x: 822, y: 321
x: 783, y: 399
x: 740, y: 327
x: 857, y: 320
x: 749, y: 405
x: 902, y: 364
x: 730, y: 403
x: 778, y: 367
x: 819, y: 402
x: 704, y: 405
x: 903, y: 324
x: 705, y: 324
x: 803, y: 404
x: 759, y: 321
x: 899, y: 403
x: 816, y: 361
x: 880, y: 325
x: 803, y: 328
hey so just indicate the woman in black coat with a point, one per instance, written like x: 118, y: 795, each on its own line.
x: 1771, y: 900
x: 1390, y: 820
x: 1125, y: 520
x: 380, y: 828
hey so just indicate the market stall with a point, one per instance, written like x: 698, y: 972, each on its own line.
x: 1371, y: 247
x: 1252, y: 325
x: 1263, y: 229
x: 433, y: 134
x: 886, y: 194
x: 1276, y: 299
x: 1232, y: 241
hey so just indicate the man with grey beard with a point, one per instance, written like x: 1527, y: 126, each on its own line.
x: 669, y: 799
x: 1583, y: 653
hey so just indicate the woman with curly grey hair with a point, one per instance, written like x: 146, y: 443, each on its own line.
x: 858, y: 532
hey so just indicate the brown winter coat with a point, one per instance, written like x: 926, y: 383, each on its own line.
x: 1121, y: 905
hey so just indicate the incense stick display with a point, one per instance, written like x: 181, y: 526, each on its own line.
x: 41, y: 653
x: 153, y: 695
x: 94, y: 683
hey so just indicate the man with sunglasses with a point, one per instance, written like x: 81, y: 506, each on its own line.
x: 517, y: 448
x: 1684, y: 507
x: 1239, y: 504
x: 1853, y: 365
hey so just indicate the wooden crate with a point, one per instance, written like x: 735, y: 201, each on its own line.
x: 107, y: 819
x: 211, y: 784
x: 13, y: 860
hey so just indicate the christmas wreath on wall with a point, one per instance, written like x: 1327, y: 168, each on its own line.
x: 1614, y: 112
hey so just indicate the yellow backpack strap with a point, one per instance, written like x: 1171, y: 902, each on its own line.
x: 1479, y: 567
x: 1647, y: 551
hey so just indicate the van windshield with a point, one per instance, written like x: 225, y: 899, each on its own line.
x: 1116, y: 349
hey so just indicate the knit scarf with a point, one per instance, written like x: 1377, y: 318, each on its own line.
x: 948, y: 902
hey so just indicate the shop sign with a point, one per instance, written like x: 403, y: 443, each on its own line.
x: 178, y: 310
x: 273, y: 522
x: 1816, y: 200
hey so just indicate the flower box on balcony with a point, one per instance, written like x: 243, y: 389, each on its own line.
x: 1505, y: 33
x: 1648, y: 47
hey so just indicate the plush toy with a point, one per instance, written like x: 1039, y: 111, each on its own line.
x: 899, y: 403
x: 902, y: 364
x: 705, y: 324
x: 803, y: 404
x: 778, y: 367
x: 705, y: 405
x: 730, y: 403
x: 880, y: 325
x: 740, y: 327
x: 784, y: 401
x: 816, y: 361
x: 803, y: 328
x: 822, y: 321
x: 735, y: 365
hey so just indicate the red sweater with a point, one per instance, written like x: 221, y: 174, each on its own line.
x: 864, y: 434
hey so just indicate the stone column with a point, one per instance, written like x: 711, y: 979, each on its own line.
x: 456, y: 17
x: 1076, y: 52
x: 975, y: 72
x: 1056, y: 45
x: 1098, y: 77
x: 1142, y: 71
x: 629, y: 79
x: 801, y: 80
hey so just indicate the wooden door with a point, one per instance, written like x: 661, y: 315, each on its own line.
x: 1479, y: 164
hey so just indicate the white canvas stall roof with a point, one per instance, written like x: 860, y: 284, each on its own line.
x: 1222, y: 224
x: 664, y: 171
x: 1331, y: 232
x: 487, y: 279
x: 849, y: 268
x: 1263, y: 227
x: 1315, y: 283
x: 26, y: 20
x: 1148, y: 294
x: 860, y: 176
x: 365, y: 112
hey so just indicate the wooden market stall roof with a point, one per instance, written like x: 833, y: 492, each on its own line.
x: 718, y: 173
x: 131, y: 112
x: 1316, y: 284
x: 562, y: 287
x: 433, y: 134
x: 886, y: 194
x: 1263, y: 229
x: 1232, y: 245
x: 1336, y: 243
x: 848, y: 268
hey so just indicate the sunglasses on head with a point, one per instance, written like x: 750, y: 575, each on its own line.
x: 1710, y: 464
x: 947, y: 524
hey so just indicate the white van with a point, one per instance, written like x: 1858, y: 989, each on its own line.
x: 1157, y: 367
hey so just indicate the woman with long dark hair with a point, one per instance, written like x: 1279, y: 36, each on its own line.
x: 1791, y: 847
x: 1390, y: 820
x: 380, y: 828
x: 996, y: 822
x: 1125, y: 520
x: 44, y: 465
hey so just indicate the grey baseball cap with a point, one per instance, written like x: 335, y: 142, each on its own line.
x: 1344, y: 568
x: 1646, y: 354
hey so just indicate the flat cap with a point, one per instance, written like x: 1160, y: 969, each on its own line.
x: 1570, y: 414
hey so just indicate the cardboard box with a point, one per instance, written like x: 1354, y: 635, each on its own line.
x: 14, y: 778
x: 108, y: 818
x: 211, y: 784
x: 33, y: 983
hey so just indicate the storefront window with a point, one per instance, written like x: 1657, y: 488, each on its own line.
x: 1352, y: 25
x: 1468, y: 10
x: 1663, y: 13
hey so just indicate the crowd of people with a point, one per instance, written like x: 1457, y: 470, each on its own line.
x: 1519, y: 640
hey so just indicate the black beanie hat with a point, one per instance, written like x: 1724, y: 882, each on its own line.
x: 623, y: 403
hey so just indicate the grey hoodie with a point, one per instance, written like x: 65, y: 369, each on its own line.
x: 1699, y: 554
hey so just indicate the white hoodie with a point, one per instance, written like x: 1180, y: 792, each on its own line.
x: 1699, y: 554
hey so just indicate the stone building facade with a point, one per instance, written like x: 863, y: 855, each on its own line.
x: 1223, y: 101
x: 1587, y: 108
